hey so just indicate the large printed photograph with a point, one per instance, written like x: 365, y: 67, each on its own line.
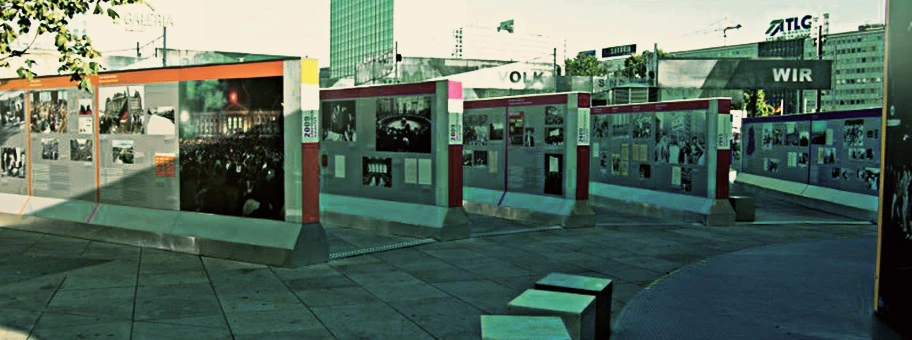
x: 680, y: 138
x: 338, y: 120
x: 404, y: 124
x: 128, y: 110
x: 475, y: 129
x: 232, y: 147
x: 12, y: 162
x: 49, y: 111
x: 12, y: 109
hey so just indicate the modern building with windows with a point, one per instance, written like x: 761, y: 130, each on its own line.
x: 857, y: 81
x: 490, y: 43
x: 365, y: 29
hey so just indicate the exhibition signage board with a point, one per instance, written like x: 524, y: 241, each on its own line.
x: 392, y: 144
x: 741, y: 74
x: 893, y: 297
x: 836, y: 150
x: 668, y: 146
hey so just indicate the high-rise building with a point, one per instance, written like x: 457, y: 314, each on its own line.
x: 857, y: 78
x: 516, y: 44
x: 364, y: 29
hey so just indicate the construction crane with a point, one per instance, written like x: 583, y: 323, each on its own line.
x: 723, y: 26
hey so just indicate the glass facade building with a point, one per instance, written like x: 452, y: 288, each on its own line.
x: 358, y: 29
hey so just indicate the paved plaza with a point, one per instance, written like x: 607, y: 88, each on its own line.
x: 66, y: 288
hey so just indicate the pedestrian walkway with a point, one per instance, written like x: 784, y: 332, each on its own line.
x: 803, y: 290
x: 65, y: 288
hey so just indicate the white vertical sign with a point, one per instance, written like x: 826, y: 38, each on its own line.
x: 724, y: 132
x: 583, y: 126
x: 310, y: 126
x: 455, y: 124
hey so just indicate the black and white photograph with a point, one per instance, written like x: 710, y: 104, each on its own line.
x: 804, y: 139
x: 480, y: 159
x: 829, y: 156
x: 620, y: 125
x: 601, y: 126
x: 792, y: 135
x: 874, y: 134
x: 467, y: 160
x: 687, y: 175
x: 766, y: 137
x: 12, y: 163
x: 804, y: 159
x: 120, y: 109
x: 859, y: 154
x: 12, y: 109
x: 529, y: 137
x: 338, y: 120
x: 50, y: 149
x: 517, y: 122
x: 407, y: 128
x: 679, y: 139
x: 771, y: 165
x: 85, y: 107
x: 377, y: 172
x: 496, y: 129
x: 818, y: 132
x: 238, y: 171
x: 554, y: 136
x: 853, y: 133
x: 554, y: 174
x: 606, y: 163
x: 81, y: 150
x: 842, y: 174
x: 49, y: 111
x: 122, y: 152
x: 475, y: 129
x: 554, y: 115
x: 645, y: 171
x: 615, y: 164
x: 642, y: 125
x: 870, y: 176
x: 778, y: 135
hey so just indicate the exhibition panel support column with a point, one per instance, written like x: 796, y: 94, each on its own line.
x: 385, y: 157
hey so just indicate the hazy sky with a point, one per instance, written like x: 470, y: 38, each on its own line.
x: 290, y: 28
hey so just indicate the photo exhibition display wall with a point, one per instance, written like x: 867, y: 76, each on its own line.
x: 837, y: 150
x: 669, y: 146
x: 387, y: 143
x: 208, y: 139
x: 523, y: 144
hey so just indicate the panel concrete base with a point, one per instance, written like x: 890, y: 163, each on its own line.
x: 521, y: 207
x: 668, y: 206
x: 842, y: 203
x: 243, y: 239
x: 394, y: 218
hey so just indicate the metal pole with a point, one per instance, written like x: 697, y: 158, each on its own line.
x: 164, y: 46
x: 396, y: 60
x: 554, y: 69
x: 819, y: 57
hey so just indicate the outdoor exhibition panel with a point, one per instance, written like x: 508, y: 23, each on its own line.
x: 524, y: 157
x: 669, y: 156
x: 893, y: 298
x: 828, y: 160
x: 390, y: 159
x: 200, y: 155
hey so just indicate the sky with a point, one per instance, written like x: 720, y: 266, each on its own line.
x: 288, y: 27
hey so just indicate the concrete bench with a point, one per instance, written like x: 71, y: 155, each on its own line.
x: 512, y: 327
x: 745, y: 208
x: 577, y: 311
x: 599, y: 288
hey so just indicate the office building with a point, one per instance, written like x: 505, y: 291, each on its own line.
x: 516, y: 44
x: 362, y: 30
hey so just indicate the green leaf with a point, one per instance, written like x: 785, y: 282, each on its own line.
x: 30, y: 62
x: 61, y: 40
x: 113, y: 14
x: 98, y: 10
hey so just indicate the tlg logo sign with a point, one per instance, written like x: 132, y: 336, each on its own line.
x: 790, y: 26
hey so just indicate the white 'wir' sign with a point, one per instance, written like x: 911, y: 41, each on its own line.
x: 583, y: 123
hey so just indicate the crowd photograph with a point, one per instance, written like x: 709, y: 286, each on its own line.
x: 81, y: 150
x: 12, y: 109
x: 49, y: 112
x: 475, y: 130
x: 12, y: 162
x: 404, y: 124
x: 120, y: 109
x: 234, y: 172
x: 50, y: 149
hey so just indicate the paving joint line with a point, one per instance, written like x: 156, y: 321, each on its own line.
x: 136, y: 291
x: 379, y: 249
x: 515, y: 231
x: 309, y: 309
x: 806, y: 223
x: 215, y: 293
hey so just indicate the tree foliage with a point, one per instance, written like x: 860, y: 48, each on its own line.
x: 33, y: 19
x: 755, y: 103
x: 585, y: 65
x: 635, y: 66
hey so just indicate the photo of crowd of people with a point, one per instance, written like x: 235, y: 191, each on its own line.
x: 121, y: 109
x: 338, y: 121
x: 377, y: 172
x: 554, y: 115
x: 620, y: 125
x: 404, y: 124
x: 237, y: 171
x: 554, y: 136
x: 679, y: 139
x: 601, y: 126
x: 771, y: 165
x: 642, y: 125
x: 50, y: 149
x: 853, y: 133
x: 122, y: 152
x: 818, y: 132
x: 13, y: 162
x: 517, y: 120
x: 480, y: 159
x: 49, y: 111
x: 870, y: 176
x: 475, y: 129
x: 12, y: 109
x: 81, y: 150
